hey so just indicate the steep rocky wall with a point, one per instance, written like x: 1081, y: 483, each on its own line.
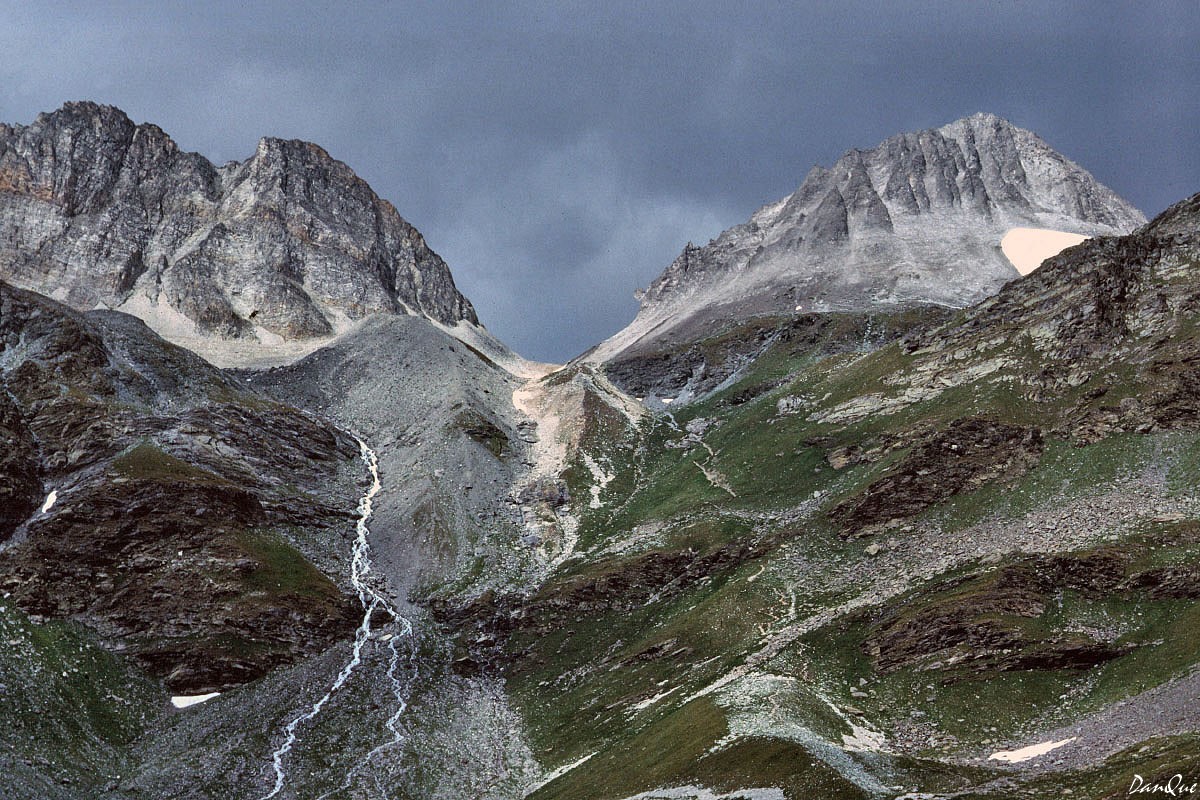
x: 98, y: 211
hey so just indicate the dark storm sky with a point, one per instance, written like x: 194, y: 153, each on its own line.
x: 558, y: 155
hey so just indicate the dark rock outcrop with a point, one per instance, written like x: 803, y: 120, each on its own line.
x: 178, y: 571
x: 968, y: 454
x: 20, y: 469
x: 979, y: 621
x: 173, y: 485
x: 494, y: 619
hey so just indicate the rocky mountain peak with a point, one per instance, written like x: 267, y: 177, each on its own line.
x: 917, y: 219
x: 83, y: 115
x: 288, y: 245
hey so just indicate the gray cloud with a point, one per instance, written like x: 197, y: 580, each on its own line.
x: 559, y: 155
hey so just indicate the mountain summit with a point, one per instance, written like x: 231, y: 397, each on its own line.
x: 287, y: 245
x: 915, y: 220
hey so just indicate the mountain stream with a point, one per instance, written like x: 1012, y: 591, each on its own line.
x: 372, y: 602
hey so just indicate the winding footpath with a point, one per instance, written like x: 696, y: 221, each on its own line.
x: 372, y: 602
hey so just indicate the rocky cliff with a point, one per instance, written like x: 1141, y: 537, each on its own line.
x: 289, y: 244
x: 915, y: 220
x: 146, y: 495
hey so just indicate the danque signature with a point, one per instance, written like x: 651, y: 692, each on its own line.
x: 1174, y: 786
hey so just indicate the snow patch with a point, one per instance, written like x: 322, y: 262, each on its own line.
x: 1027, y: 248
x: 649, y: 701
x: 50, y: 500
x: 185, y: 700
x: 1027, y: 753
x: 554, y: 775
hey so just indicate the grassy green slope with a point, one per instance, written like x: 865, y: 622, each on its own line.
x: 68, y: 709
x: 663, y: 687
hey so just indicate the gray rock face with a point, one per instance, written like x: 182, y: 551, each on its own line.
x: 422, y: 407
x: 917, y: 219
x: 99, y: 212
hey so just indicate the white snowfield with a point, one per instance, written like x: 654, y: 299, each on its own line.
x: 186, y: 700
x: 50, y: 500
x: 1027, y: 248
x: 1027, y: 753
